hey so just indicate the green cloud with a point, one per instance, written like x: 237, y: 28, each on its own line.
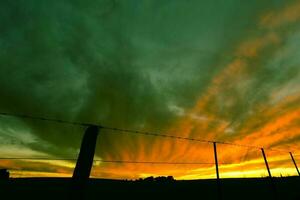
x: 123, y: 63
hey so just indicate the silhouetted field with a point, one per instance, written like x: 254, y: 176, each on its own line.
x: 61, y: 188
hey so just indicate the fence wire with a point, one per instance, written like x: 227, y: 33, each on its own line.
x: 131, y: 156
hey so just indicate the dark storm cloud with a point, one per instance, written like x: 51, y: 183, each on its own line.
x: 120, y: 63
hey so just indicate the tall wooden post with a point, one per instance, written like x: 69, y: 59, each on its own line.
x: 86, y: 154
x: 217, y: 171
x: 294, y: 163
x: 84, y: 163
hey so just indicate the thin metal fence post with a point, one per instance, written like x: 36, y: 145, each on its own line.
x: 294, y: 163
x: 272, y: 184
x: 266, y: 162
x: 217, y: 171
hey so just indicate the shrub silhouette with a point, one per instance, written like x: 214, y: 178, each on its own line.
x: 4, y: 174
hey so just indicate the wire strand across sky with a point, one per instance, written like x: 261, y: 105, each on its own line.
x: 109, y: 161
x: 120, y: 130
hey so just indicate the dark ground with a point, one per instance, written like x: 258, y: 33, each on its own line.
x: 61, y: 188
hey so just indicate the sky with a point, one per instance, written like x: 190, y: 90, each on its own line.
x: 213, y: 70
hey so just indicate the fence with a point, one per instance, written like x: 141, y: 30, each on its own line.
x: 181, y: 157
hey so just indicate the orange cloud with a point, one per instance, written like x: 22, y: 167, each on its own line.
x: 274, y: 123
x: 275, y: 19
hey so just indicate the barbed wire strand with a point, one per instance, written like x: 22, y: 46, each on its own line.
x: 120, y: 130
x: 109, y: 161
